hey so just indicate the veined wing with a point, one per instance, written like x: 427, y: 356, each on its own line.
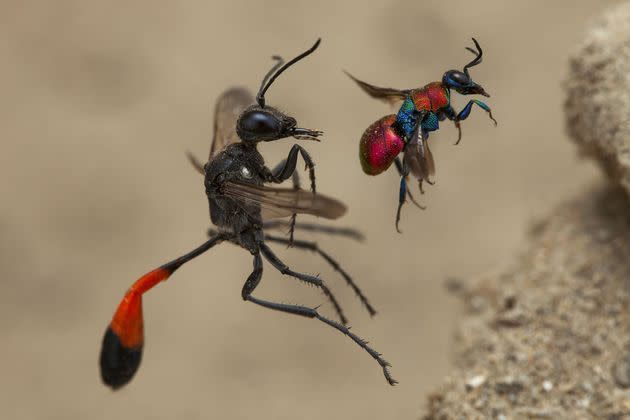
x: 283, y: 202
x: 389, y: 95
x: 226, y: 111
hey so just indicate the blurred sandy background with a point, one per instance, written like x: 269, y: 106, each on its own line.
x: 100, y: 100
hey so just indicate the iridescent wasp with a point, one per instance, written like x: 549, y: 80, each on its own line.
x: 408, y: 131
x: 242, y: 208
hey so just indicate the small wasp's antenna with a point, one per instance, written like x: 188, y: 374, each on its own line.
x: 268, y: 80
x: 478, y: 58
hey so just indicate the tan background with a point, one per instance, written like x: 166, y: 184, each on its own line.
x: 99, y: 101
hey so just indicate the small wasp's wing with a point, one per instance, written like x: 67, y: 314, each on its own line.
x: 428, y: 159
x: 419, y: 160
x: 226, y: 112
x: 283, y: 202
x: 389, y: 95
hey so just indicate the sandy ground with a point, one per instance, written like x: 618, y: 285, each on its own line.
x: 548, y: 338
x: 99, y: 102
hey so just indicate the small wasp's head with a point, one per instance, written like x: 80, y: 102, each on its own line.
x: 461, y: 81
x: 265, y: 123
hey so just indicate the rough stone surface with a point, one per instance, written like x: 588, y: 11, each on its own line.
x: 549, y: 338
x: 598, y: 94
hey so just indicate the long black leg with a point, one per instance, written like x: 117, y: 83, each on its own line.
x: 316, y: 281
x: 295, y: 178
x: 317, y: 228
x: 289, y: 166
x: 312, y: 246
x: 254, y: 279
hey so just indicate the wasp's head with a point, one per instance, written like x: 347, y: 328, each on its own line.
x: 260, y: 122
x: 267, y: 124
x: 461, y: 81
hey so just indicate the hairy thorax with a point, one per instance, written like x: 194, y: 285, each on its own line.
x: 237, y: 162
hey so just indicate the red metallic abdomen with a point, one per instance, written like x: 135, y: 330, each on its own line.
x: 379, y: 146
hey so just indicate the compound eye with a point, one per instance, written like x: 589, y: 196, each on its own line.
x: 259, y: 123
x: 459, y: 78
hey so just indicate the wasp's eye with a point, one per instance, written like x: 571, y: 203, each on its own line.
x: 260, y: 123
x: 456, y: 77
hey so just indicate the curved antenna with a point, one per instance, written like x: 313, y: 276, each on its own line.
x: 260, y: 97
x: 477, y: 59
x: 275, y: 67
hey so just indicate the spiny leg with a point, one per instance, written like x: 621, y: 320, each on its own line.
x: 316, y: 281
x: 465, y: 112
x: 254, y: 279
x: 312, y: 246
x: 317, y: 228
x: 121, y: 350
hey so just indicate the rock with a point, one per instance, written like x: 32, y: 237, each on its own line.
x: 509, y: 385
x: 475, y: 382
x: 621, y: 371
x: 546, y: 367
x: 598, y: 95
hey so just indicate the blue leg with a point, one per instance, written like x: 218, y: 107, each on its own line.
x: 464, y: 113
x: 401, y: 198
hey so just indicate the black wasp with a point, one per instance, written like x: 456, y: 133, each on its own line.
x: 242, y: 208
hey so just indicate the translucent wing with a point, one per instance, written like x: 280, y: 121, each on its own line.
x: 389, y: 95
x: 283, y: 202
x: 419, y: 160
x: 226, y: 111
x: 428, y: 159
